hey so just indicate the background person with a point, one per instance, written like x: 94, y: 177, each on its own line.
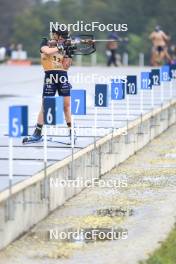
x: 111, y: 49
x: 159, y: 50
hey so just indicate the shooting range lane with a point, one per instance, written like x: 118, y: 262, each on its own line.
x: 25, y: 87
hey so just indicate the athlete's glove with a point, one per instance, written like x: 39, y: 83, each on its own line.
x: 60, y: 47
x: 66, y: 62
x: 52, y: 43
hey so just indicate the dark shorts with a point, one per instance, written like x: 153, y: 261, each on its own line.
x: 160, y: 48
x: 56, y: 81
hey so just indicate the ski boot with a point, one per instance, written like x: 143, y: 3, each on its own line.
x: 32, y: 139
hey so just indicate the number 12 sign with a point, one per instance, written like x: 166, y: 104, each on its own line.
x: 18, y: 121
x: 78, y: 102
x: 155, y: 77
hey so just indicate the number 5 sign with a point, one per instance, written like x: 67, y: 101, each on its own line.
x: 78, y: 102
x: 101, y: 95
x: 18, y: 121
x: 53, y: 110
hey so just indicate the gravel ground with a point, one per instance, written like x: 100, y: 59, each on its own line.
x: 140, y: 207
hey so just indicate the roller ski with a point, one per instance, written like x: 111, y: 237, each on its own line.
x: 68, y: 142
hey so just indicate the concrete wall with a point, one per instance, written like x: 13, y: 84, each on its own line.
x: 33, y: 199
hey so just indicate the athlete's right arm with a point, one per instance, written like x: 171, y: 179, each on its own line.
x: 44, y: 48
x: 48, y: 51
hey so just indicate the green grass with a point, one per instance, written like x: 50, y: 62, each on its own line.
x: 166, y: 254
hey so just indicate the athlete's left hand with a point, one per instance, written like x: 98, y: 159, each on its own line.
x: 66, y: 63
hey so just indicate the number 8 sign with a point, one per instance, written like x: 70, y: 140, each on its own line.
x: 18, y: 121
x: 101, y: 95
x: 78, y: 102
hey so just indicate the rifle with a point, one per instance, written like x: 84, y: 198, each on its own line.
x: 85, y: 44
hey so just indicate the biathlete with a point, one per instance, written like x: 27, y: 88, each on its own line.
x: 55, y: 61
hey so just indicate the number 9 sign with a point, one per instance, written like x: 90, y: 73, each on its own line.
x: 18, y: 121
x: 101, y: 95
x: 78, y: 102
x: 53, y: 110
x: 117, y: 89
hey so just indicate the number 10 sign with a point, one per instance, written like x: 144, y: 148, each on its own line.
x: 131, y: 85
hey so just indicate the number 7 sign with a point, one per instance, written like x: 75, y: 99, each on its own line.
x: 78, y: 102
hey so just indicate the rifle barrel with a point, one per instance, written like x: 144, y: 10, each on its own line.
x: 106, y: 40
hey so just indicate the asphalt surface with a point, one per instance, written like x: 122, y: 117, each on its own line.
x: 23, y: 86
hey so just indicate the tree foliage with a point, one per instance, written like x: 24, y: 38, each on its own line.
x: 27, y: 21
